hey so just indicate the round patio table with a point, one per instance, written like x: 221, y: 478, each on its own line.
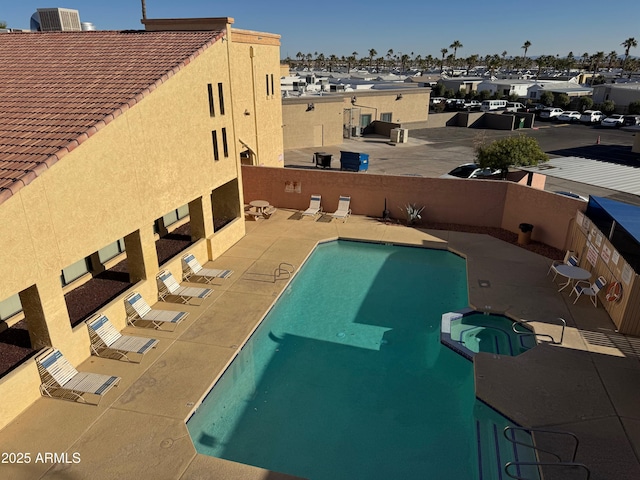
x: 572, y: 274
x: 259, y: 205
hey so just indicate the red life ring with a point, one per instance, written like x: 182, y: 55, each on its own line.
x: 614, y: 292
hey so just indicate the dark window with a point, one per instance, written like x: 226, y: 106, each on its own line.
x: 385, y: 117
x: 266, y: 79
x: 225, y: 148
x: 212, y: 108
x: 221, y: 98
x: 214, y: 139
x: 272, y: 92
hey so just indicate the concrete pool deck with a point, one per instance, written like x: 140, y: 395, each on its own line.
x: 590, y: 385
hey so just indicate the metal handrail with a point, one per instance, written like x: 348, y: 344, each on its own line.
x: 280, y: 270
x: 542, y: 430
x: 544, y: 464
x: 553, y: 341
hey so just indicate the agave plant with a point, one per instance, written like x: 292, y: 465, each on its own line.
x: 413, y: 213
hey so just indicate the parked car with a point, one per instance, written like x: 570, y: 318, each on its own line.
x: 591, y: 116
x: 569, y: 117
x: 515, y: 107
x: 471, y: 170
x: 631, y: 120
x: 436, y: 100
x: 550, y: 113
x: 452, y: 103
x: 573, y: 195
x: 469, y: 105
x: 612, y: 121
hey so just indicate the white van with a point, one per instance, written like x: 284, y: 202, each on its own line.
x: 489, y: 105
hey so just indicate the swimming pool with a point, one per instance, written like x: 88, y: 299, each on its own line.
x: 346, y: 377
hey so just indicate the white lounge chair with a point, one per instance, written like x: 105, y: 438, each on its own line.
x: 139, y: 310
x: 569, y: 260
x: 61, y: 380
x: 192, y: 268
x: 315, y: 206
x: 107, y: 342
x: 168, y: 286
x: 343, y: 210
x: 591, y: 290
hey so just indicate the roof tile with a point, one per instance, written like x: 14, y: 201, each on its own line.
x: 59, y: 88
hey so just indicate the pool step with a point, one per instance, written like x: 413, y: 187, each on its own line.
x: 487, y: 339
x: 494, y: 451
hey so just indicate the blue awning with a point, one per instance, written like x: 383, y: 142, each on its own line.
x: 625, y: 215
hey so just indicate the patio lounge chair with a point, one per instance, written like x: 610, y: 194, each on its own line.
x: 168, y: 286
x: 61, y: 380
x: 314, y: 206
x: 570, y: 260
x: 139, y: 310
x: 107, y: 342
x: 590, y: 290
x: 192, y: 268
x: 343, y: 211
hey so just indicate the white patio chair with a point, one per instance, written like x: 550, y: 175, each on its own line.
x: 343, y: 210
x: 192, y: 268
x: 315, y: 206
x: 108, y: 342
x: 139, y: 310
x: 61, y: 380
x: 570, y: 260
x: 168, y: 286
x: 591, y: 290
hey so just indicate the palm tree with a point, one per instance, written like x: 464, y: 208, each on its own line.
x: 596, y: 59
x: 526, y: 46
x: 628, y: 44
x: 443, y: 51
x: 403, y: 61
x: 611, y: 57
x: 372, y: 53
x: 455, y: 45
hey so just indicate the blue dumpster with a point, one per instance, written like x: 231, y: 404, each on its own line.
x: 353, y: 161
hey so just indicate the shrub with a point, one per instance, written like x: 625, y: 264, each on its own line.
x: 547, y: 98
x: 608, y: 107
x: 634, y: 108
x: 563, y: 100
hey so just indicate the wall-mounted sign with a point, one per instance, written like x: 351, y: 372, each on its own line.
x: 605, y: 253
x: 592, y: 255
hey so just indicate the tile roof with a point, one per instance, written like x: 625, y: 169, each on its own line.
x: 59, y: 88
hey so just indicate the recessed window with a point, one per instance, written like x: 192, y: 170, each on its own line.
x: 214, y: 140
x: 385, y: 117
x: 225, y: 147
x: 266, y: 80
x: 221, y: 98
x: 10, y: 307
x: 272, y: 91
x: 212, y: 107
x: 75, y: 271
x: 110, y: 251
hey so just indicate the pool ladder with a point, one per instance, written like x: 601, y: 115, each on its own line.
x: 283, y: 271
x: 572, y: 464
x: 543, y: 335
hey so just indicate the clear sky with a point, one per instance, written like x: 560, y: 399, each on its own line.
x: 422, y: 27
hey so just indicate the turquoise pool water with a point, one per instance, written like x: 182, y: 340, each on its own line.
x: 346, y: 378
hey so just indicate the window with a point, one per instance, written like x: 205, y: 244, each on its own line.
x: 74, y: 271
x: 365, y: 120
x: 272, y: 92
x: 385, y: 117
x: 110, y: 251
x: 212, y: 107
x: 225, y: 149
x: 175, y: 215
x: 10, y: 306
x: 214, y: 139
x: 266, y: 79
x: 221, y: 98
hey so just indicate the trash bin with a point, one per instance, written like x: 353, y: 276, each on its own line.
x: 354, y: 161
x: 322, y: 159
x: 524, y: 237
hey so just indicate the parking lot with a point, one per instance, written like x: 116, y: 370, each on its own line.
x: 431, y: 152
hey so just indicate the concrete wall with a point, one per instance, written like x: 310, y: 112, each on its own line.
x: 257, y: 108
x: 495, y: 203
x: 321, y: 125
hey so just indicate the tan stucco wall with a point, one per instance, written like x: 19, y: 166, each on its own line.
x: 495, y: 203
x: 323, y: 124
x: 155, y: 157
x: 254, y: 57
